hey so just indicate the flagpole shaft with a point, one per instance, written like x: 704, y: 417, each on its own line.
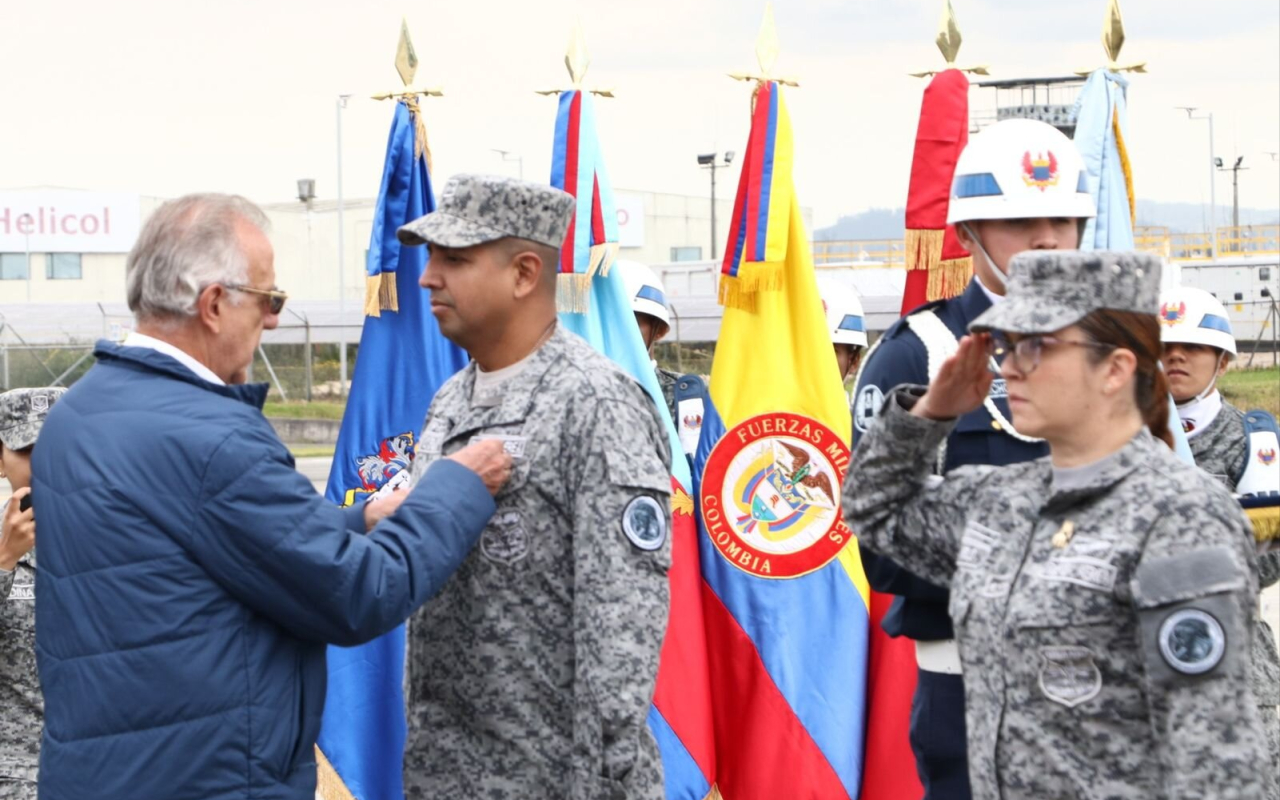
x: 342, y: 286
x: 1213, y: 191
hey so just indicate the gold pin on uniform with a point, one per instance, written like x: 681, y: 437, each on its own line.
x: 1063, y: 537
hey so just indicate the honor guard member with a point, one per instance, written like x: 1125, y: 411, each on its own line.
x: 22, y: 412
x: 1198, y: 348
x: 1103, y: 597
x: 649, y: 304
x: 998, y: 212
x: 846, y: 322
x: 531, y: 674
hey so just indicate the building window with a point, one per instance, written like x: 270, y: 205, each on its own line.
x: 62, y: 267
x: 1264, y: 273
x: 686, y: 254
x: 13, y: 266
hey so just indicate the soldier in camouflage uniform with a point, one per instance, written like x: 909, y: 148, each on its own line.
x: 531, y: 674
x: 1102, y: 597
x: 22, y: 412
x: 1198, y: 348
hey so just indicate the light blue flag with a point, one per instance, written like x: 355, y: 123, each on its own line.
x: 403, y: 360
x: 1100, y: 111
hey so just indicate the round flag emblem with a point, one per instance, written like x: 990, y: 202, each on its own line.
x: 771, y: 495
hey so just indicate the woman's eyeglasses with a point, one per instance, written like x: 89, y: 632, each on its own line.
x: 1026, y: 351
x: 276, y: 297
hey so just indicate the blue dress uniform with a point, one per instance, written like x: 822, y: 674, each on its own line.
x: 919, y: 609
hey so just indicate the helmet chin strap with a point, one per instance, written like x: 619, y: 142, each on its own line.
x: 996, y: 271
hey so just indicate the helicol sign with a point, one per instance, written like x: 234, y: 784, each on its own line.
x: 53, y: 221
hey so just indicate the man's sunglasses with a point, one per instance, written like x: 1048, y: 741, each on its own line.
x: 277, y: 297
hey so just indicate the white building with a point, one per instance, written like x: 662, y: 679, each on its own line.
x: 62, y: 255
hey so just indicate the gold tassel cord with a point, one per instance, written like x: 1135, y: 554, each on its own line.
x: 732, y: 295
x: 923, y: 248
x: 1265, y: 521
x: 421, y: 148
x: 1125, y: 166
x: 328, y: 785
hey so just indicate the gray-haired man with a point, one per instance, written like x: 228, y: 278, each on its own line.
x: 531, y: 673
x: 190, y: 577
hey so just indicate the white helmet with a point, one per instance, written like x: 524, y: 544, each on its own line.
x: 645, y: 290
x: 1020, y: 169
x: 845, y: 319
x: 1193, y: 316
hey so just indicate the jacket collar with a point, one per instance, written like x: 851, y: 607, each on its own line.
x: 973, y: 301
x: 1097, y: 478
x: 143, y: 358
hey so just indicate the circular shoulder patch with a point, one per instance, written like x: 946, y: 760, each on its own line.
x: 1192, y: 641
x: 868, y: 404
x: 645, y: 523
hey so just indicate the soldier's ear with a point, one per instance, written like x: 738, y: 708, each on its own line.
x: 529, y: 273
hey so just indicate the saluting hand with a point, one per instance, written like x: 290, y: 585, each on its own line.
x: 17, y: 531
x: 962, y: 382
x: 489, y: 460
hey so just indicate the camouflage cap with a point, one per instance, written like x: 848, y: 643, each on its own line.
x: 22, y: 412
x: 475, y: 209
x: 1051, y: 289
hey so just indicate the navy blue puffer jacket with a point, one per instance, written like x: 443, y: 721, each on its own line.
x: 190, y: 578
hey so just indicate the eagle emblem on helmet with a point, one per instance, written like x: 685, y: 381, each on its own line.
x: 1040, y: 171
x: 1171, y: 314
x: 1267, y: 457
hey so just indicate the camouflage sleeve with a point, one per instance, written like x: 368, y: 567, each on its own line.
x: 1195, y: 601
x: 622, y: 552
x: 894, y: 504
x: 1268, y: 569
x: 6, y: 582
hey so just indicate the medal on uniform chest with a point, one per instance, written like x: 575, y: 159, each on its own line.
x: 1063, y: 537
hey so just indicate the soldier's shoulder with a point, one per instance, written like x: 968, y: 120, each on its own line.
x: 1233, y: 416
x: 1192, y: 492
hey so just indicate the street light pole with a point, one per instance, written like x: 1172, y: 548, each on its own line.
x: 1235, y: 189
x: 1213, y: 194
x: 342, y: 279
x: 712, y: 161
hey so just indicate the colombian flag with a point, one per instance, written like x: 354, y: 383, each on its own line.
x: 783, y: 596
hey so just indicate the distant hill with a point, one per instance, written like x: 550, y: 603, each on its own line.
x: 883, y: 223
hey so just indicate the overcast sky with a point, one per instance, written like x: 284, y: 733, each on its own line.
x: 169, y: 97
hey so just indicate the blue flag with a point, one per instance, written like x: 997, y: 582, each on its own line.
x: 1101, y: 125
x: 403, y: 362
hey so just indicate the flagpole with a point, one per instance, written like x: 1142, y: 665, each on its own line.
x: 342, y: 280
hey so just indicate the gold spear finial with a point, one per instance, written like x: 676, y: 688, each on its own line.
x: 948, y: 42
x: 407, y: 68
x: 767, y: 50
x: 577, y: 60
x: 1113, y: 41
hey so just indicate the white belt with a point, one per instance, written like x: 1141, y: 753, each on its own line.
x: 942, y: 656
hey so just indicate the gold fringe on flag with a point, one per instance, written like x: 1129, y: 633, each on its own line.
x: 573, y: 293
x: 923, y: 248
x: 732, y: 295
x: 607, y: 255
x: 1124, y: 165
x: 714, y: 794
x: 328, y: 785
x: 380, y: 294
x: 1265, y: 521
x: 949, y: 278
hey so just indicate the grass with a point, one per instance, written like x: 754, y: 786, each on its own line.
x: 311, y: 450
x: 1248, y: 389
x: 303, y: 410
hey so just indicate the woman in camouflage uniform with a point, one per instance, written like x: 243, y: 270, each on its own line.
x: 22, y: 412
x: 1102, y: 597
x: 1198, y: 347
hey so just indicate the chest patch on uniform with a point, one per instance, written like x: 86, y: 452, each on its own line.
x: 1069, y: 675
x: 1092, y: 573
x: 645, y: 523
x: 865, y: 408
x: 22, y: 591
x: 1191, y: 641
x: 511, y: 445
x: 505, y: 539
x: 976, y: 545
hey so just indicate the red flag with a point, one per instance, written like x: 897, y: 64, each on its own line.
x: 937, y: 265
